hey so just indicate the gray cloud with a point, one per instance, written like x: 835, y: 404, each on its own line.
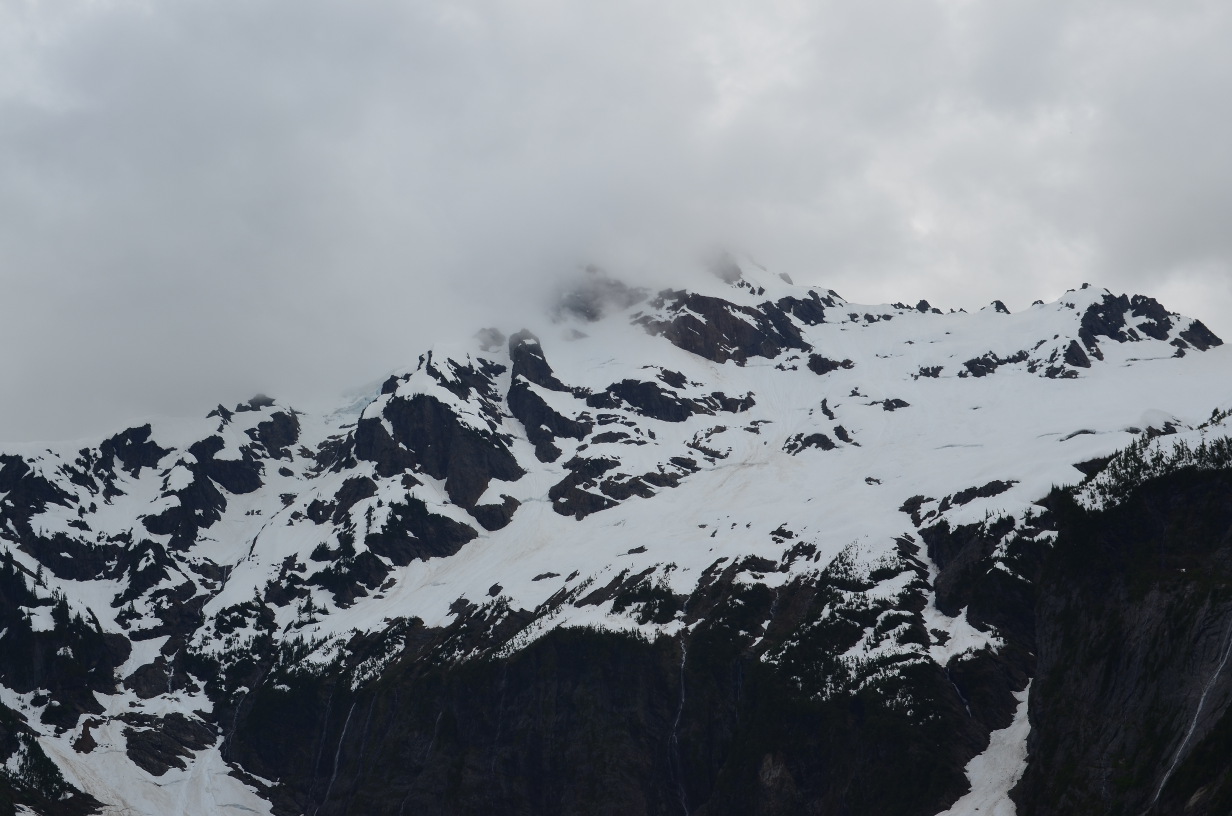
x: 199, y: 200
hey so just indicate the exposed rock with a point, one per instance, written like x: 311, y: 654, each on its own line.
x: 543, y: 424
x: 133, y: 448
x: 233, y: 475
x: 987, y: 364
x: 1132, y: 631
x: 987, y: 491
x: 574, y: 496
x: 529, y: 363
x: 411, y: 532
x: 1075, y: 356
x: 278, y: 433
x: 811, y: 310
x: 820, y: 365
x: 1158, y: 321
x: 159, y: 744
x: 722, y: 331
x: 1200, y: 337
x: 799, y: 442
x: 443, y: 446
x: 495, y: 516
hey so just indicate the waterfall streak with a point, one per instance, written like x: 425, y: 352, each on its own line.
x: 1227, y: 650
x: 674, y: 742
x: 337, y: 754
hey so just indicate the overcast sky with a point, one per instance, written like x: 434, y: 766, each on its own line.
x: 201, y: 199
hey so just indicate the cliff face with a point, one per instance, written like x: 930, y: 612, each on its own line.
x: 1130, y: 706
x: 592, y: 721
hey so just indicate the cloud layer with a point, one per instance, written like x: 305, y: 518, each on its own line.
x: 199, y: 200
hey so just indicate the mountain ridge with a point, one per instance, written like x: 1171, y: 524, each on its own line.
x: 851, y: 495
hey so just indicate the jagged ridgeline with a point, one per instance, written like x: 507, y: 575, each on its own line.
x: 738, y: 548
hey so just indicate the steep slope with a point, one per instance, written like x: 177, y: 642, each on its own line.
x: 739, y: 548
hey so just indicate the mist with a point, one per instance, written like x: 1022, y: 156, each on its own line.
x: 203, y: 200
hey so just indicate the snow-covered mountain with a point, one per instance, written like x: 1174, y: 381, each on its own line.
x: 741, y: 548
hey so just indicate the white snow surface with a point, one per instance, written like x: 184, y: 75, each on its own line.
x: 205, y: 788
x: 994, y: 773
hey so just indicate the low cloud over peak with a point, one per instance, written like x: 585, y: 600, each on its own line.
x: 201, y: 200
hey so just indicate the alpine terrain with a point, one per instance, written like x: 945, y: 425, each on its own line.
x: 742, y: 548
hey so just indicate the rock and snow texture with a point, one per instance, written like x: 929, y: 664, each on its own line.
x: 632, y: 443
x: 994, y: 773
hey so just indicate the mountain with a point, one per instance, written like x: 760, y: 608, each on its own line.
x: 738, y: 548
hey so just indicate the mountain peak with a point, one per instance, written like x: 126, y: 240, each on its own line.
x: 849, y: 494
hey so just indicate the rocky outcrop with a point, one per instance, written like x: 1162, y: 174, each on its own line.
x: 158, y: 744
x: 411, y: 532
x: 437, y: 441
x: 67, y: 664
x: 720, y: 330
x: 543, y: 424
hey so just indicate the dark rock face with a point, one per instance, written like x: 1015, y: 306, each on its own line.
x: 1076, y: 357
x: 988, y: 363
x: 722, y: 331
x: 1157, y: 322
x: 987, y: 491
x: 811, y: 310
x: 133, y: 448
x: 158, y: 744
x: 371, y: 442
x: 820, y: 365
x: 1146, y: 316
x: 543, y: 424
x: 651, y: 400
x: 495, y: 516
x: 529, y: 363
x: 1200, y: 337
x: 1107, y: 319
x: 603, y: 722
x: 443, y: 446
x: 199, y: 505
x: 1133, y: 620
x: 353, y: 490
x: 413, y: 533
x: 967, y: 581
x: 70, y: 662
x: 233, y: 475
x: 799, y: 442
x: 277, y: 433
x: 26, y: 492
x: 575, y: 494
x: 646, y: 398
